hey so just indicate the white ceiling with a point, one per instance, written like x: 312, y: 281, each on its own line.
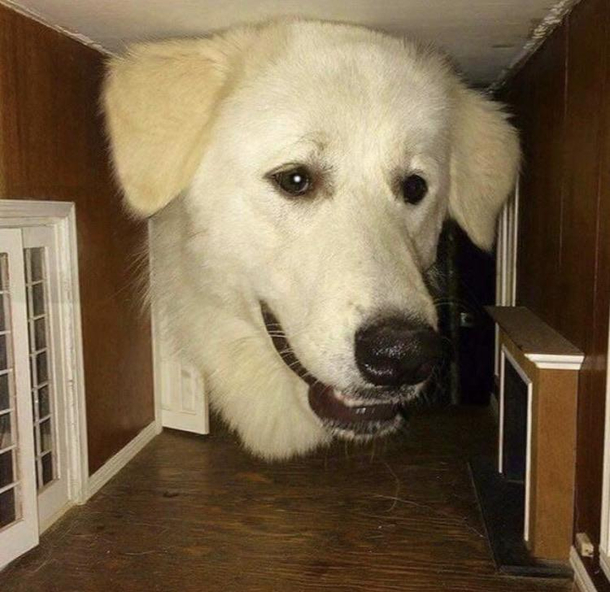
x: 484, y: 36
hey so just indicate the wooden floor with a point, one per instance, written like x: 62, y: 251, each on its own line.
x: 197, y: 514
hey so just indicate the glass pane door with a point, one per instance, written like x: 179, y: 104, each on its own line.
x: 18, y: 504
x: 46, y: 371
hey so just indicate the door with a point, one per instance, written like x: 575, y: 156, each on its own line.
x: 18, y: 503
x: 183, y: 399
x: 47, y: 366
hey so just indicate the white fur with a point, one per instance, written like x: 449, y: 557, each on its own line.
x: 197, y: 125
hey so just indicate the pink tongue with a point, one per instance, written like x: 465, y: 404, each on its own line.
x: 325, y: 405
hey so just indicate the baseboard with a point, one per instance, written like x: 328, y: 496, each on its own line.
x: 43, y: 525
x: 581, y: 577
x: 120, y: 459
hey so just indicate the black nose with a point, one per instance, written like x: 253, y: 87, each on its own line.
x: 397, y: 351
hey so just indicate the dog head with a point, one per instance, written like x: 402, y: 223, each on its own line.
x: 317, y: 163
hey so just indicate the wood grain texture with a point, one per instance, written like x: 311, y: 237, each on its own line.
x: 537, y: 99
x: 560, y: 97
x: 530, y: 333
x: 192, y: 513
x: 553, y: 458
x: 53, y: 148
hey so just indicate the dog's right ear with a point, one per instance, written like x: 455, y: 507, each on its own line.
x: 158, y: 100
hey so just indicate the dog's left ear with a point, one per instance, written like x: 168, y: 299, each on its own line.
x: 484, y: 165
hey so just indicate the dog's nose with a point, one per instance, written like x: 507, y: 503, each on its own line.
x: 397, y: 351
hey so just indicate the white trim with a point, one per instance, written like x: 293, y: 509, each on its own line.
x: 181, y: 401
x: 528, y: 440
x: 53, y: 498
x: 48, y: 521
x: 120, y: 459
x: 515, y: 238
x: 557, y: 13
x: 506, y: 262
x: 36, y: 16
x: 156, y: 346
x: 604, y: 543
x: 22, y: 213
x: 39, y: 210
x: 22, y: 534
x: 581, y: 577
x: 62, y: 215
x: 557, y: 361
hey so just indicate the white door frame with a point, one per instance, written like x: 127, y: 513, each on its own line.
x: 175, y: 379
x: 61, y: 216
x: 21, y: 535
x: 505, y: 356
x: 506, y: 262
x: 604, y: 545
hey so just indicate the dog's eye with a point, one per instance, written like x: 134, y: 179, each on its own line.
x: 414, y: 189
x: 294, y: 182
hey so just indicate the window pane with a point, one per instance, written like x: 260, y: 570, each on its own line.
x: 45, y: 436
x: 7, y: 507
x: 44, y: 404
x: 32, y: 373
x: 3, y: 353
x: 47, y: 468
x: 42, y: 373
x: 5, y: 399
x: 3, y: 303
x: 37, y: 299
x: 38, y: 318
x: 3, y: 272
x: 6, y: 436
x: 36, y: 262
x: 6, y: 469
x: 40, y: 334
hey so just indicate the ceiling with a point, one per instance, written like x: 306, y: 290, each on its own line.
x: 484, y: 36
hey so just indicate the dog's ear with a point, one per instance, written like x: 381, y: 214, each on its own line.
x: 158, y: 99
x: 484, y: 165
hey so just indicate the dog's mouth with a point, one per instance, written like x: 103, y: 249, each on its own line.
x: 356, y: 414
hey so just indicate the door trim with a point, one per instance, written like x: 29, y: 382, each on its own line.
x: 506, y: 356
x: 22, y: 534
x: 22, y: 213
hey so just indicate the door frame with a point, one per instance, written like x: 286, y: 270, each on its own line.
x: 507, y: 357
x: 604, y: 544
x: 61, y: 216
x: 506, y: 262
x: 22, y: 534
x: 171, y: 371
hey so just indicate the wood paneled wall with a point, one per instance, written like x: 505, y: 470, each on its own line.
x: 560, y: 101
x: 52, y: 147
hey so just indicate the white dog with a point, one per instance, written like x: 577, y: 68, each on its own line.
x: 299, y: 173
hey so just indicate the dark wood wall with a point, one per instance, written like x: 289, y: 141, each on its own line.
x: 52, y: 147
x: 560, y: 99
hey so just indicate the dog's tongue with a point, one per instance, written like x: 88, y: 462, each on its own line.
x: 325, y: 405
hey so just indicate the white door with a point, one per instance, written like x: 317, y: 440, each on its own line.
x: 18, y: 504
x: 183, y: 399
x: 47, y: 367
x: 180, y: 396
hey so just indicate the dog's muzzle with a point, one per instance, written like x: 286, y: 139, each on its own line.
x: 373, y: 411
